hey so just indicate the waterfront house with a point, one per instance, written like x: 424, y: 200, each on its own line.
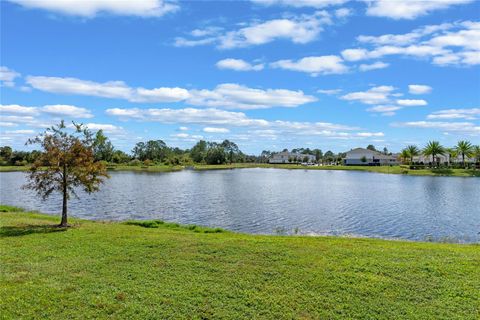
x: 366, y: 157
x: 290, y: 157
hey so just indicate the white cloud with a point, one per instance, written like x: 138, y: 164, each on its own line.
x: 444, y: 44
x: 7, y: 76
x: 222, y: 118
x: 301, y: 3
x: 467, y: 114
x: 187, y: 116
x: 375, y: 95
x: 67, y: 111
x: 238, y: 65
x: 455, y: 127
x: 314, y: 65
x: 355, y: 54
x: 411, y: 102
x: 22, y: 131
x: 107, y: 128
x: 216, y: 130
x: 419, y: 89
x: 225, y: 95
x: 91, y: 8
x: 230, y: 95
x: 183, y: 128
x: 373, y: 66
x: 15, y: 109
x: 385, y: 110
x: 110, y: 89
x: 343, y: 12
x: 408, y: 9
x: 300, y: 29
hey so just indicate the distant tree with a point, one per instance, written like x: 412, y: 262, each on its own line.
x: 102, y: 147
x: 199, y: 151
x: 433, y: 148
x: 285, y: 150
x: 465, y: 148
x: 232, y: 151
x: 306, y: 159
x: 6, y: 153
x: 120, y: 157
x: 139, y: 151
x: 385, y: 151
x: 156, y: 150
x: 66, y: 162
x: 371, y: 147
x: 412, y: 152
x: 215, y: 155
x: 363, y: 159
x: 318, y: 154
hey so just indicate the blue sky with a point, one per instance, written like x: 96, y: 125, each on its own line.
x: 267, y: 74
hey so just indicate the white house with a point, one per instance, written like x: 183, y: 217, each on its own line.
x: 442, y: 158
x: 288, y: 157
x: 366, y: 157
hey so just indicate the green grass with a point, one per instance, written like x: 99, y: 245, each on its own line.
x: 156, y: 270
x: 380, y: 169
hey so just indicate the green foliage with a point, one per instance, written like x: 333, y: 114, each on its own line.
x: 215, y: 155
x: 102, y: 270
x: 433, y: 148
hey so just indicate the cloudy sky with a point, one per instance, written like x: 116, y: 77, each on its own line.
x: 267, y: 74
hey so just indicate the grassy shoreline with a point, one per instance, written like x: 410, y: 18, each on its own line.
x: 200, y: 167
x: 119, y: 270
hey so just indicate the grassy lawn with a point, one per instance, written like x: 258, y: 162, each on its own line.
x: 165, y: 271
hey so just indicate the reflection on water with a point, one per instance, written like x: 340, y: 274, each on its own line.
x: 269, y: 200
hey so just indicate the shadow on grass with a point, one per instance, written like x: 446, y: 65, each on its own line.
x: 16, y: 231
x: 445, y: 172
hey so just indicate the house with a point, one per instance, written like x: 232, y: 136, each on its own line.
x: 366, y: 157
x: 442, y: 159
x: 289, y: 157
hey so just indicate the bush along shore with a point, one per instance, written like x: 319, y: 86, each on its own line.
x: 152, y: 269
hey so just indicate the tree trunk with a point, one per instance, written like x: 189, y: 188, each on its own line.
x: 64, y: 222
x: 463, y: 160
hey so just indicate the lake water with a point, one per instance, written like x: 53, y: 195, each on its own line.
x: 273, y: 201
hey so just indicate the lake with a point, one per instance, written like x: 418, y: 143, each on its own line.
x: 278, y: 201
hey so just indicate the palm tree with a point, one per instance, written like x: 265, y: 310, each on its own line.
x: 405, y: 155
x: 464, y: 148
x: 413, y: 152
x: 433, y: 148
x: 476, y: 153
x: 452, y: 154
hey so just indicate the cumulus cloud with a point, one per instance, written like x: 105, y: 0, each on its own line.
x: 91, y: 8
x: 419, y: 89
x: 63, y: 110
x: 215, y: 130
x: 110, y: 89
x: 411, y: 102
x: 299, y: 29
x: 373, y: 66
x: 7, y: 76
x: 467, y: 114
x: 314, y: 65
x: 221, y: 118
x: 454, y: 127
x: 227, y: 95
x: 375, y: 95
x: 18, y: 110
x: 444, y: 44
x: 231, y: 95
x: 238, y: 65
x: 408, y: 9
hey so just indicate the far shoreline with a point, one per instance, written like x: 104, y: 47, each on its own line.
x: 399, y: 169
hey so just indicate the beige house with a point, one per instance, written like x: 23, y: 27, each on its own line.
x: 285, y: 157
x: 366, y: 157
